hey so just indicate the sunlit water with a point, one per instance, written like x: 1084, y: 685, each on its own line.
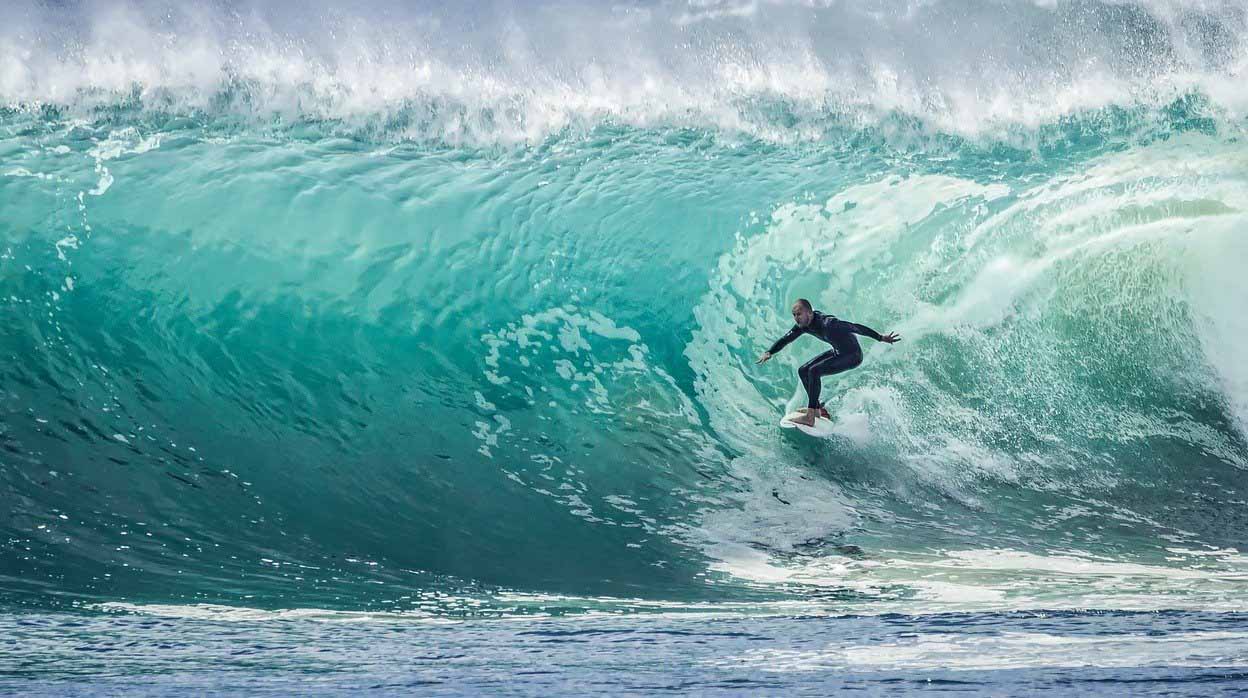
x: 414, y: 348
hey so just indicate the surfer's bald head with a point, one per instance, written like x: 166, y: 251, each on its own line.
x: 803, y: 313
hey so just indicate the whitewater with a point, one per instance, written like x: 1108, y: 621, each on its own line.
x: 411, y: 348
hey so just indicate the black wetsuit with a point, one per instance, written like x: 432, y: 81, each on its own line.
x: 844, y: 354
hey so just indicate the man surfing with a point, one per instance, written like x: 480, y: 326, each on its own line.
x: 844, y: 354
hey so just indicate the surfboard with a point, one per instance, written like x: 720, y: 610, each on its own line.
x: 822, y: 429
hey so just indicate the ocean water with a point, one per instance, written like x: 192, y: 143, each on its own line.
x: 407, y: 348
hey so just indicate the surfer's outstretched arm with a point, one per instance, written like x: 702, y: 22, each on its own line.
x: 868, y: 332
x: 781, y: 343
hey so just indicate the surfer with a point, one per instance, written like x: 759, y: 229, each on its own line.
x: 844, y: 354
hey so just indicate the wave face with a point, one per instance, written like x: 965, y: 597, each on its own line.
x: 455, y: 311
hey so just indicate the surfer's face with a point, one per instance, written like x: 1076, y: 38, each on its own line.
x: 802, y: 315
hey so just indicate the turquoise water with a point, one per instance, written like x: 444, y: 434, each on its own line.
x: 416, y: 317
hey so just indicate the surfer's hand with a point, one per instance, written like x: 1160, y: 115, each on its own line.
x: 763, y: 359
x: 891, y: 338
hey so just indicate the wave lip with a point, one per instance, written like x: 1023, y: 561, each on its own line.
x: 522, y: 73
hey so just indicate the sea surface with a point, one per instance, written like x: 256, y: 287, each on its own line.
x: 410, y: 348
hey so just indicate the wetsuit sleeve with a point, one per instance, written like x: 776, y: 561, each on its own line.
x: 784, y: 341
x: 862, y: 330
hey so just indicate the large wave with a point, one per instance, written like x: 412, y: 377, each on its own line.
x: 285, y: 326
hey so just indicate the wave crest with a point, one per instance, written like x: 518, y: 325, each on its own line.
x: 503, y: 73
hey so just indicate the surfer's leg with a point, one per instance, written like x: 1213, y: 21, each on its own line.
x: 809, y: 375
x: 826, y: 364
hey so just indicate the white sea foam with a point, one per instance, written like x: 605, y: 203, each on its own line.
x: 1012, y: 650
x: 1008, y: 580
x: 523, y: 71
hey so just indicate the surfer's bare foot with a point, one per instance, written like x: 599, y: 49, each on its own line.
x: 807, y: 417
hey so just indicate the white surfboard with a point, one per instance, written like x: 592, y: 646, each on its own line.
x: 823, y: 428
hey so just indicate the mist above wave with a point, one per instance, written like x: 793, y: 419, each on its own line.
x: 519, y: 72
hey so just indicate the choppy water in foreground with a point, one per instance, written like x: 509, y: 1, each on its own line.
x: 1111, y: 654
